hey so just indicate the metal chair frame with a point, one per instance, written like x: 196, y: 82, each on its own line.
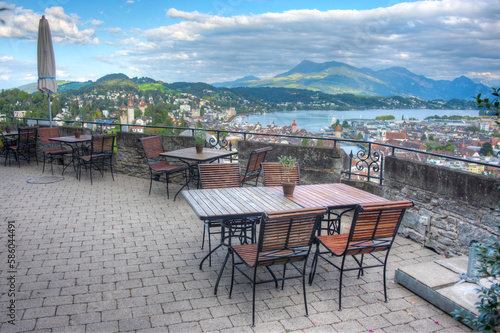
x: 153, y: 147
x: 26, y: 143
x: 254, y: 167
x: 52, y: 149
x: 101, y: 154
x: 373, y: 229
x: 284, y: 237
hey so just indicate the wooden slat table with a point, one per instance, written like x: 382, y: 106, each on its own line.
x: 191, y: 158
x: 332, y: 196
x: 224, y: 202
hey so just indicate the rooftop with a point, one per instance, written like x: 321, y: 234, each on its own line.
x: 109, y: 257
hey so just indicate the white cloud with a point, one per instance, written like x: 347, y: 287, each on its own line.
x: 23, y: 23
x: 440, y: 39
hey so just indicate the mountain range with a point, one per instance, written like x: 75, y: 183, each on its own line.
x: 338, y: 78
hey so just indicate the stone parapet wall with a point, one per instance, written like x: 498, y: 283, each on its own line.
x: 452, y: 207
x: 317, y: 164
x: 130, y: 159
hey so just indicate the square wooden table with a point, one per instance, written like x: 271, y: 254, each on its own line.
x: 76, y: 145
x: 190, y: 157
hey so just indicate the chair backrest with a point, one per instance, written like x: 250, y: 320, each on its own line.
x: 254, y: 163
x: 48, y: 132
x: 218, y: 175
x: 287, y: 236
x: 103, y: 144
x: 152, y: 146
x: 374, y: 226
x: 274, y: 174
x: 26, y: 136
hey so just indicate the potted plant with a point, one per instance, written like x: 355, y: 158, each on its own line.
x: 288, y: 164
x: 199, y: 140
x: 6, y: 125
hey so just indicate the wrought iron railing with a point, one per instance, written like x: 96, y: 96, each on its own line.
x: 368, y: 160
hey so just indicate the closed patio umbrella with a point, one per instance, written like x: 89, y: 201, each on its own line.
x: 46, y: 62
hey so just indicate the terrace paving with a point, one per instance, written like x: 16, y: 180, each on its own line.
x: 109, y: 257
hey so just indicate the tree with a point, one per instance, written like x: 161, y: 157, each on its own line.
x: 319, y: 143
x: 486, y: 149
x: 305, y: 142
x: 492, y: 105
x: 431, y: 137
x: 423, y: 137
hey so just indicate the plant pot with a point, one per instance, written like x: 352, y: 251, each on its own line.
x: 77, y: 134
x: 288, y: 188
x: 199, y: 149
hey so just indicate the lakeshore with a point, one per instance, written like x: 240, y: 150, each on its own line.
x: 315, y: 120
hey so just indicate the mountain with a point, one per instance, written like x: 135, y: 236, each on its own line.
x: 338, y: 78
x: 235, y: 82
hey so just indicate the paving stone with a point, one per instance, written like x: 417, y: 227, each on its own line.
x: 109, y: 264
x: 133, y: 324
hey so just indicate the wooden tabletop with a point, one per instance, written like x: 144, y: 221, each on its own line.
x: 72, y: 139
x: 332, y: 196
x: 11, y: 133
x: 223, y: 202
x: 189, y: 154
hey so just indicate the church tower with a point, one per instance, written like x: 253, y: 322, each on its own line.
x: 130, y: 110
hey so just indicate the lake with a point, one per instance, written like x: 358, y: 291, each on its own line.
x: 315, y: 120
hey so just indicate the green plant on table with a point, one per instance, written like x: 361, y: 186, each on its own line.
x: 489, y: 297
x: 288, y: 163
x: 200, y: 137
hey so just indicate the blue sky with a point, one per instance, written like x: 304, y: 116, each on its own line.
x: 223, y: 40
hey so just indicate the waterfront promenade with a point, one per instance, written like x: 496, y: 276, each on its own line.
x: 108, y: 257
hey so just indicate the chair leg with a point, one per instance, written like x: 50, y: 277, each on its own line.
x: 284, y: 274
x: 314, y: 264
x: 203, y: 240
x: 304, y: 286
x: 43, y: 167
x: 150, y: 180
x: 51, y: 165
x: 253, y: 295
x: 340, y: 283
x: 111, y: 167
x: 90, y: 171
x: 167, y: 177
x: 384, y: 276
x: 232, y: 274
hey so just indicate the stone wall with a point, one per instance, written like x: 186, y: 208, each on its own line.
x: 316, y: 164
x: 452, y: 207
x: 130, y: 159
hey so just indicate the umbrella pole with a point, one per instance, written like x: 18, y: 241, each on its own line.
x: 50, y: 112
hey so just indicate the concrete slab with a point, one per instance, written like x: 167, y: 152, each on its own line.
x: 464, y: 294
x: 456, y: 264
x: 431, y: 274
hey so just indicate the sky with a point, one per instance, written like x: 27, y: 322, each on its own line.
x: 224, y: 40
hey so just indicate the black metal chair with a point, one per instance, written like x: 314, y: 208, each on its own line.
x: 100, y: 156
x: 373, y: 229
x: 153, y: 147
x: 25, y: 146
x: 284, y: 237
x: 50, y: 149
x: 253, y: 169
